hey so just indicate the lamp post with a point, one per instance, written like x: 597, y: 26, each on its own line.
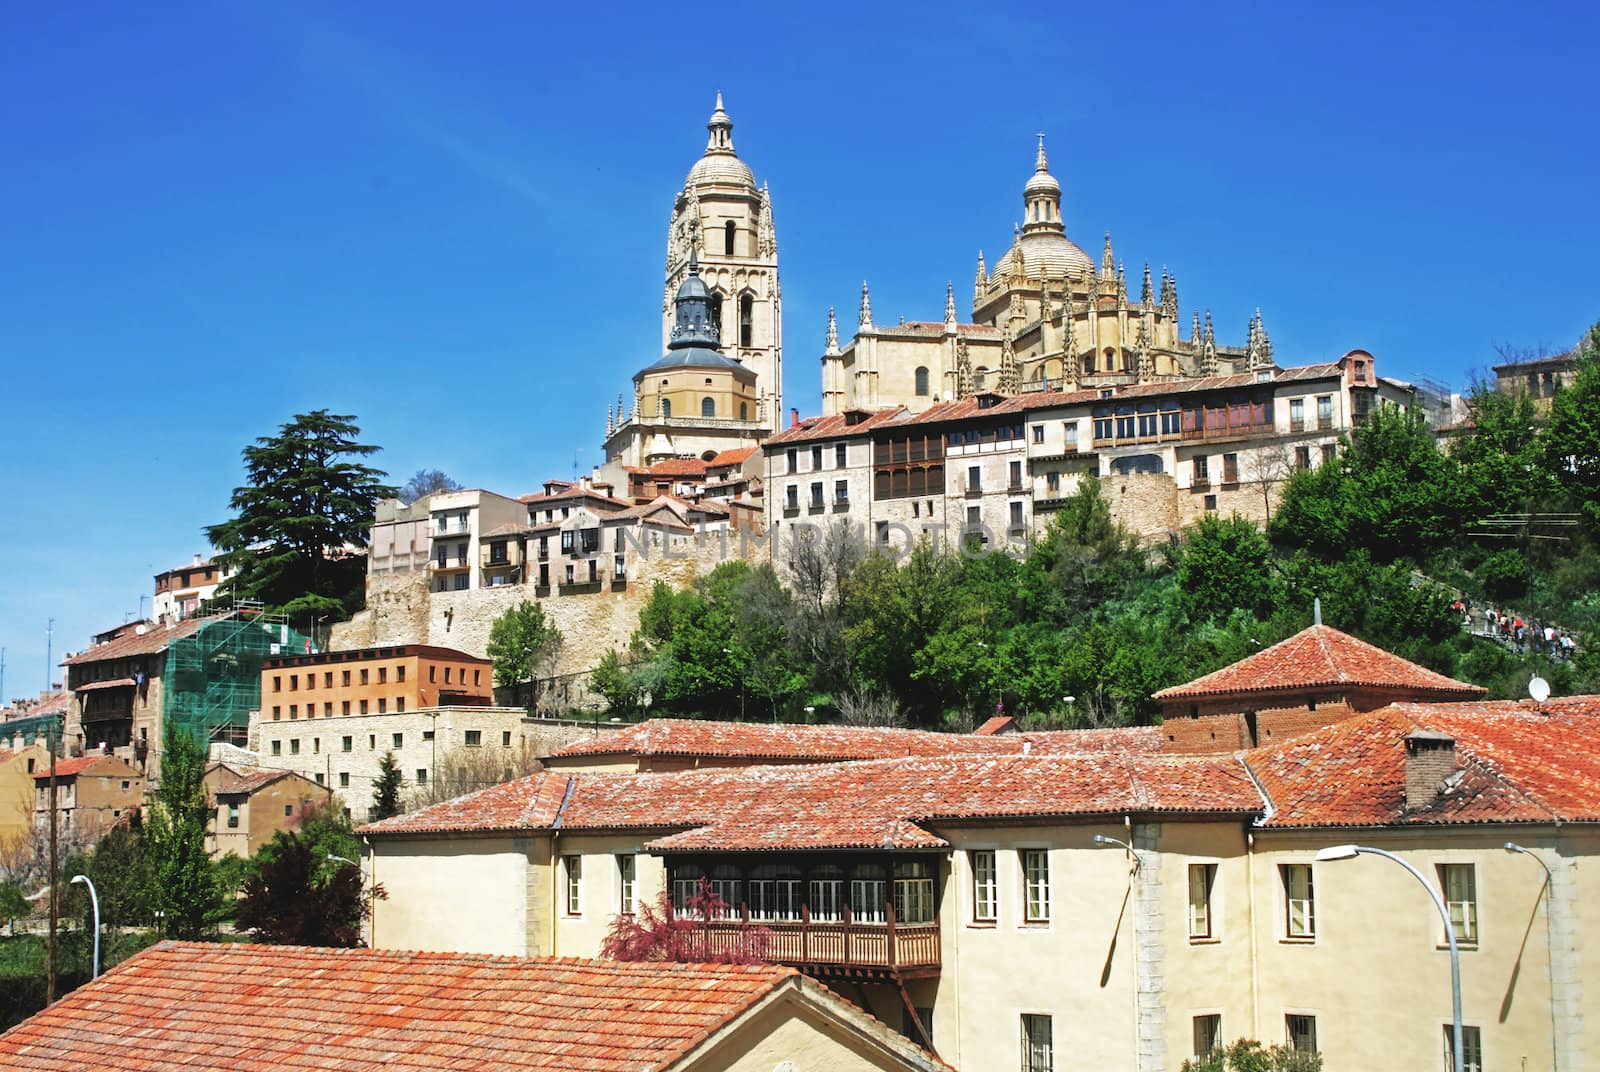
x: 94, y: 899
x: 346, y: 860
x: 1133, y: 931
x: 1549, y: 940
x: 1350, y: 852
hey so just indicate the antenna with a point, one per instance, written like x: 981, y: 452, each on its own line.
x: 1538, y: 688
x: 2, y: 675
x: 49, y: 644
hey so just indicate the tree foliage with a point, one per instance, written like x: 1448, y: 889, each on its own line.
x: 299, y: 897
x: 306, y: 504
x: 1248, y: 1055
x: 659, y: 932
x: 426, y: 482
x: 185, y: 884
x: 386, y: 790
x: 522, y: 641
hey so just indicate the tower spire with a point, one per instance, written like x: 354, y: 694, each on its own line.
x: 721, y: 130
x: 950, y: 304
x: 1108, y: 263
x: 831, y: 343
x: 1146, y: 292
x: 866, y: 308
x: 1041, y: 163
x: 1007, y: 381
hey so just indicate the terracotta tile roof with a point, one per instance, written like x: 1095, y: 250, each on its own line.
x: 1517, y: 762
x: 1321, y: 657
x: 110, y: 683
x: 154, y: 640
x: 678, y: 467
x: 570, y: 494
x: 55, y: 705
x: 226, y: 779
x: 67, y: 768
x: 731, y: 457
x: 836, y: 426
x: 969, y: 408
x: 252, y: 1008
x: 754, y: 740
x: 886, y: 804
x: 995, y: 725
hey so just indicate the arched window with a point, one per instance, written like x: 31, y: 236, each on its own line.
x: 716, y: 312
x: 1111, y: 359
x: 980, y: 379
x: 747, y: 319
x: 922, y: 381
x: 727, y: 238
x: 708, y: 407
x: 744, y: 411
x: 666, y: 407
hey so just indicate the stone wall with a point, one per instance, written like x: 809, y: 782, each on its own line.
x: 1146, y: 504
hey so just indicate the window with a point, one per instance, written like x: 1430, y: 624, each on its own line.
x: 827, y: 893
x: 625, y: 884
x: 277, y: 713
x: 505, y: 739
x: 1211, y: 504
x: 747, y: 320
x: 922, y: 381
x: 1016, y: 515
x: 1014, y: 475
x: 708, y: 407
x: 427, y: 735
x: 1201, y: 878
x: 1036, y: 885
x: 383, y: 705
x: 1299, y: 904
x: 1301, y: 1031
x: 327, y: 709
x: 841, y: 456
x: 1329, y: 452
x: 400, y: 703
x: 327, y: 680
x: 1230, y: 468
x: 1071, y: 430
x: 868, y: 891
x: 344, y: 678
x: 1324, y: 411
x: 294, y: 682
x: 913, y: 892
x: 1460, y: 887
x: 277, y: 748
x: 1471, y: 1048
x: 474, y: 739
x: 1038, y: 433
x: 773, y: 892
x: 400, y: 672
x: 792, y: 456
x: 316, y: 745
x: 294, y: 746
x: 728, y: 231
x: 422, y: 776
x: 1302, y: 457
x: 841, y: 491
x: 399, y: 740
x: 294, y: 711
x: 363, y: 707
x: 1037, y: 1043
x: 462, y: 582
x: 364, y: 674
x: 1052, y: 481
x: 985, y: 886
x: 816, y: 495
x: 344, y: 707
x: 383, y: 675
x: 572, y: 866
x: 1202, y: 471
x: 372, y: 742
x: 974, y: 478
x: 288, y: 809
x: 233, y: 816
x: 1207, y: 1033
x: 346, y: 743
x: 277, y: 683
x: 344, y: 779
x: 1297, y: 414
x: 791, y: 497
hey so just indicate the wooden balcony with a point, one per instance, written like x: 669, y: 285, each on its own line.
x: 839, y: 948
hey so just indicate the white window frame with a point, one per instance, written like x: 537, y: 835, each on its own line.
x: 985, y: 893
x: 1464, y: 914
x: 627, y: 883
x: 1309, y: 932
x: 1471, y: 1048
x: 1202, y: 930
x: 572, y: 893
x: 1030, y: 886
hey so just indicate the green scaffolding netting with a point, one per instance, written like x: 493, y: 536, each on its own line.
x: 213, y: 677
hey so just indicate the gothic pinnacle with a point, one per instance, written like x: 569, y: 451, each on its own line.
x: 950, y: 303
x: 1107, y: 261
x: 831, y: 343
x: 1146, y: 292
x: 866, y: 306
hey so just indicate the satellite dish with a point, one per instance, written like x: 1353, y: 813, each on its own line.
x: 1539, y: 689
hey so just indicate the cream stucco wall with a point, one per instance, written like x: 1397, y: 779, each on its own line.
x: 793, y: 1035
x: 464, y: 895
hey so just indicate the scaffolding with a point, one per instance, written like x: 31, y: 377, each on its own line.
x: 213, y: 677
x: 33, y: 729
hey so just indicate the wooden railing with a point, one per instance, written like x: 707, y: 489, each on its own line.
x: 844, y: 942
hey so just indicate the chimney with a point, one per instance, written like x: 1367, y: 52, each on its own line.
x: 1430, y: 759
x: 198, y: 560
x: 794, y: 417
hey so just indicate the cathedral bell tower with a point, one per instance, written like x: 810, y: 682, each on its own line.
x: 724, y: 217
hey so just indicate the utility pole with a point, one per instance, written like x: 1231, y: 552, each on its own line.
x: 50, y: 958
x: 49, y: 658
x: 2, y: 675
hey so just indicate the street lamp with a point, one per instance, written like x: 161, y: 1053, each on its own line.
x: 1102, y: 839
x: 1549, y: 939
x: 94, y: 899
x: 1350, y: 852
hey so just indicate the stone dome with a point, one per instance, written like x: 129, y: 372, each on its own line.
x: 721, y: 169
x: 1046, y: 255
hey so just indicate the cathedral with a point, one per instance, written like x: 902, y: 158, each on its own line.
x: 720, y: 384
x: 1046, y: 318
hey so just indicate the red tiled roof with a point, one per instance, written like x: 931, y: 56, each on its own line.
x: 754, y: 740
x: 969, y: 409
x: 832, y: 427
x: 872, y: 804
x: 251, y: 1008
x: 732, y: 457
x: 110, y: 683
x: 1517, y: 762
x: 1321, y: 657
x: 995, y: 725
x: 575, y: 491
x: 677, y: 467
x: 66, y: 768
x: 154, y: 640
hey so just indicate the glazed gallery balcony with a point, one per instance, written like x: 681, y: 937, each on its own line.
x: 863, y: 919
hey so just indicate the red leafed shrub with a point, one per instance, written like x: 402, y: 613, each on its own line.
x: 704, y: 932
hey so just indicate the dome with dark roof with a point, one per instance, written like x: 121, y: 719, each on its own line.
x: 694, y: 334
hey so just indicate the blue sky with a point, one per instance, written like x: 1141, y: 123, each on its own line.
x: 449, y: 220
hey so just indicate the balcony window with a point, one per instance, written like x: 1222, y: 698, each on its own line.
x: 841, y: 491
x: 827, y: 894
x: 913, y: 893
x: 791, y: 497
x: 1230, y: 468
x: 1299, y: 901
x: 1324, y: 412
x: 816, y: 495
x: 1460, y: 886
x: 774, y: 893
x: 1297, y: 414
x: 725, y: 884
x: 1201, y: 878
x: 868, y: 894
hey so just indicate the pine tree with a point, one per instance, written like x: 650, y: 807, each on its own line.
x: 386, y: 794
x: 186, y: 889
x: 304, y: 505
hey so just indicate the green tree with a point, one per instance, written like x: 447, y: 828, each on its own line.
x: 292, y: 900
x: 186, y: 890
x: 123, y: 873
x: 386, y: 791
x: 1572, y: 440
x: 1226, y: 564
x: 14, y: 904
x: 613, y: 680
x: 521, y: 643
x: 305, y: 503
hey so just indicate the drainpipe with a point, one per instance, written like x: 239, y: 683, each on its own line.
x: 1133, y: 938
x: 1255, y: 960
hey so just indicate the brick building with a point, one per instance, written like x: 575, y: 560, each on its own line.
x: 249, y: 806
x: 372, y: 681
x: 92, y: 793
